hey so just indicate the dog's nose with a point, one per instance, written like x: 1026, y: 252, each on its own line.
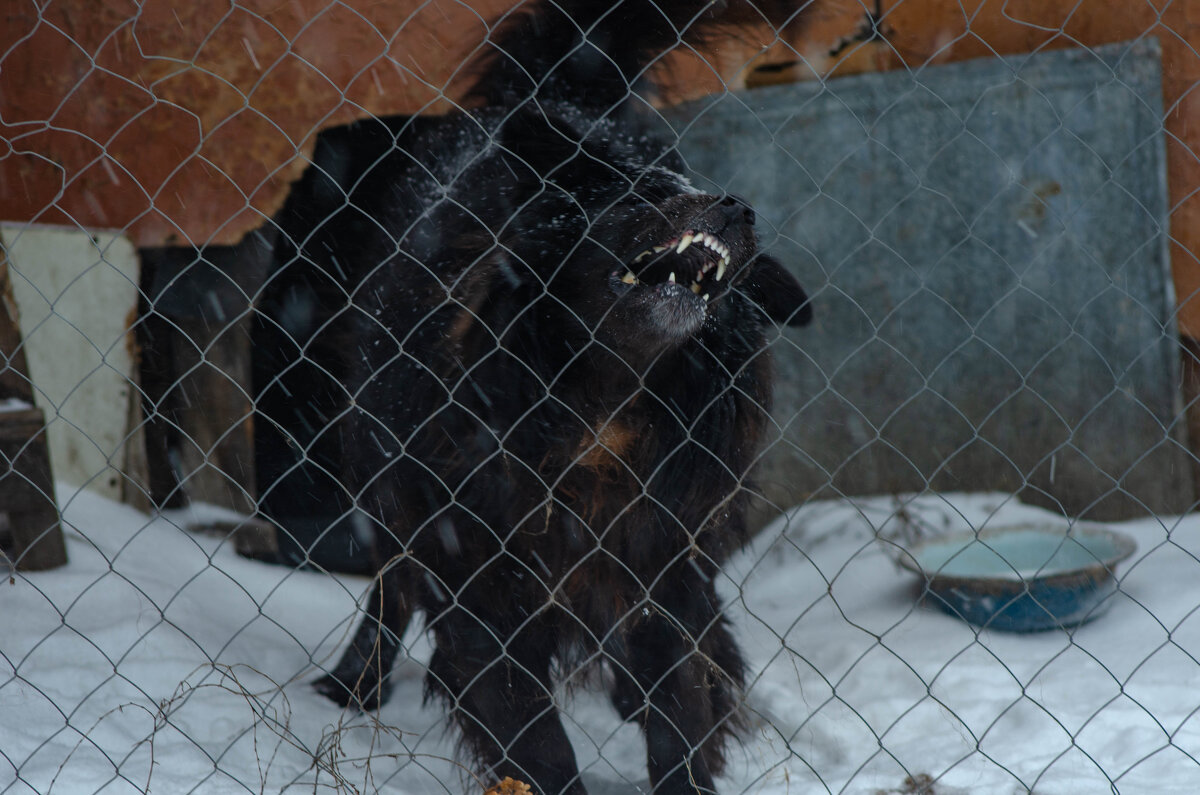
x: 734, y: 205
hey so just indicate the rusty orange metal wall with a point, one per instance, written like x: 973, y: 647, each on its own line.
x: 183, y: 121
x: 186, y: 122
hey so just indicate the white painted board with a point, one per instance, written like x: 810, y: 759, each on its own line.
x: 76, y: 292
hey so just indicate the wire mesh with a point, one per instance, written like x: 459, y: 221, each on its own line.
x: 365, y: 383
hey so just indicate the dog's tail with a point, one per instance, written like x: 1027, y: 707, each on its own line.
x: 595, y: 52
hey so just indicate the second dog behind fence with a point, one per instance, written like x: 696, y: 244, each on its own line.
x: 552, y: 385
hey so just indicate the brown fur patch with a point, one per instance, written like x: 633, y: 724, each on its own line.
x: 605, y: 448
x: 462, y: 324
x: 470, y: 293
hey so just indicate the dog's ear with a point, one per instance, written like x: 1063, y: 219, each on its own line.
x: 530, y: 138
x: 777, y: 293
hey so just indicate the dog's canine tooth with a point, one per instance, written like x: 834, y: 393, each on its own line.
x: 684, y: 242
x: 721, y: 267
x: 705, y: 297
x: 629, y: 278
x: 671, y: 278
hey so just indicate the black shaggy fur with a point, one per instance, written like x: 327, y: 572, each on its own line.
x: 551, y: 432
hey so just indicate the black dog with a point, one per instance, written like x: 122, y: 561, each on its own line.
x: 554, y: 383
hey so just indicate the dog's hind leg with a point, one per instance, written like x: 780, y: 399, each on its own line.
x: 361, y: 675
x: 498, y: 685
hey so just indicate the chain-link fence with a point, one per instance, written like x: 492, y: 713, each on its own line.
x: 599, y: 397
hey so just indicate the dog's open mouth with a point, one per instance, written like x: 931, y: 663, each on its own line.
x: 694, y: 259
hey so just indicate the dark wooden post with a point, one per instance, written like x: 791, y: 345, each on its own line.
x: 194, y: 336
x: 27, y: 503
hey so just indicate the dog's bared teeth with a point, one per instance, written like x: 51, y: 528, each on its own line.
x: 714, y: 244
x: 705, y: 297
x: 629, y: 278
x: 695, y: 288
x: 721, y: 266
x: 642, y: 256
x: 684, y: 242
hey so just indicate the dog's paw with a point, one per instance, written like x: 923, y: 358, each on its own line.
x: 346, y: 695
x: 333, y: 689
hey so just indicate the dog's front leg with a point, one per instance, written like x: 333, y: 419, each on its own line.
x: 361, y: 675
x: 497, y: 681
x: 685, y: 666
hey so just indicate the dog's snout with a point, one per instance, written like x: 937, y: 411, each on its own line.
x: 735, y: 206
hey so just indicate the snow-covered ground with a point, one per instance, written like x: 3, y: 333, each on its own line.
x: 158, y: 660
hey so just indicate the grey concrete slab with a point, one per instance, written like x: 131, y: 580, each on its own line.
x: 986, y: 246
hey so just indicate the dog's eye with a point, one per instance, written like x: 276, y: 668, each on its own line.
x: 652, y: 191
x: 657, y: 183
x: 639, y: 197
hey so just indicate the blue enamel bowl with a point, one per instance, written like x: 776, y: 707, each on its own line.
x: 1023, y: 578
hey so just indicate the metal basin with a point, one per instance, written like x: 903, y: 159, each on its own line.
x: 1023, y: 578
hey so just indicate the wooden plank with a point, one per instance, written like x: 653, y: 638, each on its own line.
x: 27, y: 492
x: 14, y: 370
x: 27, y: 502
x: 196, y: 369
x: 194, y: 337
x: 74, y: 290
